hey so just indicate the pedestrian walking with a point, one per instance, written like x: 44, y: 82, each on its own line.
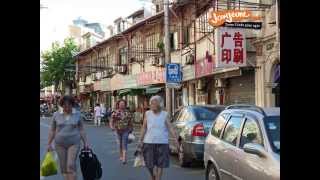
x: 121, y: 122
x: 154, y: 141
x: 97, y: 115
x: 67, y: 131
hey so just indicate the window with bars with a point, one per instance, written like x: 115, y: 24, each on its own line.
x: 203, y: 25
x: 137, y: 47
x: 174, y: 43
x: 151, y: 43
x: 123, y: 55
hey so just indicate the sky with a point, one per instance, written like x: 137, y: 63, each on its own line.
x: 55, y: 19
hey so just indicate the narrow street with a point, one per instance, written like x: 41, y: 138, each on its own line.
x: 103, y: 143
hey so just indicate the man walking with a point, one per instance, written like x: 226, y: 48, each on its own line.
x: 97, y: 115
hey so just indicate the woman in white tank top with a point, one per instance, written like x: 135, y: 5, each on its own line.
x: 154, y: 141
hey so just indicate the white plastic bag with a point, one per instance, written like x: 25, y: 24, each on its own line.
x: 139, y: 161
x: 131, y: 137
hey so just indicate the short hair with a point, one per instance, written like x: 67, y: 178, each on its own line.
x: 97, y: 104
x: 118, y: 102
x: 66, y: 99
x: 159, y: 99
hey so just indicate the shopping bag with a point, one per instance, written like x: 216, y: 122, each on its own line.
x: 90, y: 165
x: 49, y: 165
x: 131, y: 138
x: 139, y: 160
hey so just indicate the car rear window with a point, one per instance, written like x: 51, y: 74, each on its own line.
x: 204, y: 113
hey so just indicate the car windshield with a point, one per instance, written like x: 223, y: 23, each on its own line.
x: 273, y: 130
x: 205, y: 113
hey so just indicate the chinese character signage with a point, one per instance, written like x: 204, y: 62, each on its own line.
x: 151, y: 77
x: 204, y: 67
x: 230, y: 47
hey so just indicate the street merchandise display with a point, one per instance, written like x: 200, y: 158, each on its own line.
x: 49, y: 165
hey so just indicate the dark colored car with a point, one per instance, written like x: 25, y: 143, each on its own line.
x: 192, y: 124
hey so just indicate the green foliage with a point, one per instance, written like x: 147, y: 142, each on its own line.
x: 160, y: 45
x: 55, y: 61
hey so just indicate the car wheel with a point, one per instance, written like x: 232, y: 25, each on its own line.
x: 183, y: 161
x: 211, y: 173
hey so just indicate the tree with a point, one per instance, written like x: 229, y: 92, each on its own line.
x: 55, y: 62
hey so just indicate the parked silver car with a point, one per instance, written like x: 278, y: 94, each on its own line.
x: 192, y: 123
x: 244, y: 143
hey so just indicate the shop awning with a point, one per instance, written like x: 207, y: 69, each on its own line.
x: 153, y: 90
x: 131, y: 92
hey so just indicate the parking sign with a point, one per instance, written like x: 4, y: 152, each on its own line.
x: 173, y: 74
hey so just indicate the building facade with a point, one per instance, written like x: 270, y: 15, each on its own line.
x: 130, y: 64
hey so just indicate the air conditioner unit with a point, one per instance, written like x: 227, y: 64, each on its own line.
x: 155, y: 61
x: 200, y: 84
x: 189, y: 59
x: 82, y: 79
x: 104, y: 74
x: 220, y: 83
x: 132, y: 59
x: 115, y: 68
x: 122, y: 69
x: 98, y: 75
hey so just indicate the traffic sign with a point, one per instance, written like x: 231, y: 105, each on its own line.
x: 173, y: 73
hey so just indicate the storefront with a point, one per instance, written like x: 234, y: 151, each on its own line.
x: 105, y: 92
x: 203, y: 86
x: 153, y: 83
x: 188, y: 93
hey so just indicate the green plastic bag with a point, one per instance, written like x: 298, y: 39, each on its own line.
x: 49, y: 165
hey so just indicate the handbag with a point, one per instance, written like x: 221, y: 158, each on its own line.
x: 49, y: 165
x: 139, y: 160
x: 91, y: 168
x: 131, y: 138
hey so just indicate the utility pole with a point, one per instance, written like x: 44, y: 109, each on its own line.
x: 167, y: 53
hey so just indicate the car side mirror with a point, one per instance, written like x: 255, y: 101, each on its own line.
x: 253, y: 148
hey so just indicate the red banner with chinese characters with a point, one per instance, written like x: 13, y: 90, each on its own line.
x: 230, y: 47
x: 152, y: 77
x: 204, y: 67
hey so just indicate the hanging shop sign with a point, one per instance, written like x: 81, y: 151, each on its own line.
x: 230, y: 47
x: 105, y: 84
x: 129, y: 81
x: 188, y: 73
x: 116, y: 82
x: 151, y: 77
x: 204, y: 67
x: 218, y: 18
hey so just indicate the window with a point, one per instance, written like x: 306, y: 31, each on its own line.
x: 186, y: 35
x: 151, y: 43
x: 232, y: 130
x: 218, y: 125
x: 272, y: 124
x: 203, y: 113
x: 250, y: 133
x: 174, y: 41
x: 203, y: 25
x: 123, y: 56
x: 185, y: 116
